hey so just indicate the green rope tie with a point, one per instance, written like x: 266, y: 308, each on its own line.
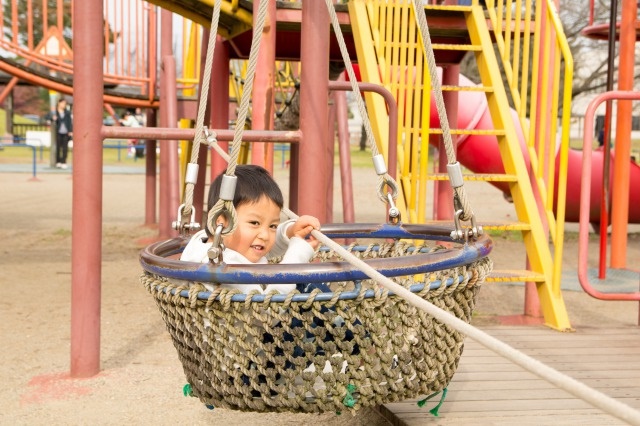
x: 349, y: 400
x: 186, y: 390
x: 435, y: 409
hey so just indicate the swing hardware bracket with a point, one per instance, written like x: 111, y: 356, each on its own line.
x: 394, y: 213
x: 465, y: 233
x: 217, y: 247
x: 182, y: 225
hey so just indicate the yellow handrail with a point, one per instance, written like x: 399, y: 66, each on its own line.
x: 513, y: 39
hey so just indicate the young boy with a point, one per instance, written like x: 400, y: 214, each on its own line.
x: 259, y: 235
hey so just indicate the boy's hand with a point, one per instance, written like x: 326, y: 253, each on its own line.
x: 302, y: 228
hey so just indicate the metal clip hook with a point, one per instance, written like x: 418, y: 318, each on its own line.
x: 458, y: 233
x: 474, y: 232
x: 394, y: 212
x: 181, y: 225
x: 217, y: 247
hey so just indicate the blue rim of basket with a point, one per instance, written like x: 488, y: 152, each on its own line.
x: 319, y: 297
x: 155, y: 259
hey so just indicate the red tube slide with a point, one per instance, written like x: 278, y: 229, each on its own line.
x: 480, y: 154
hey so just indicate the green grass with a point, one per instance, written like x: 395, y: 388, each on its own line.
x: 359, y: 159
x: 22, y: 155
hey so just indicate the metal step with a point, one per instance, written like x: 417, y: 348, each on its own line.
x: 458, y: 47
x: 494, y: 132
x: 512, y: 275
x: 478, y: 177
x: 491, y: 225
x: 479, y: 88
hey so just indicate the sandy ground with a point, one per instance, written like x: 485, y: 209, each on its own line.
x: 141, y: 378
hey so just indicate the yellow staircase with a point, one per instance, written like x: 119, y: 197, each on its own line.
x: 390, y: 53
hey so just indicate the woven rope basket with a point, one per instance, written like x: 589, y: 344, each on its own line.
x: 356, y: 347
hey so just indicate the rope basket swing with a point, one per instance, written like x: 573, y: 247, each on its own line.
x: 363, y: 342
x: 354, y: 347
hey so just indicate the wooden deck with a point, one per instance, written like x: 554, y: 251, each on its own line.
x: 488, y: 389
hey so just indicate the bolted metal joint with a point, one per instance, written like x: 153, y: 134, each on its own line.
x: 182, y: 224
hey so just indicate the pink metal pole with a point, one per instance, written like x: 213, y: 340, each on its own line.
x: 443, y: 190
x: 330, y: 147
x: 150, y: 192
x: 308, y: 182
x: 262, y: 105
x: 219, y: 101
x: 171, y: 147
x: 621, y: 169
x: 166, y: 133
x: 342, y: 114
x: 165, y: 215
x: 150, y: 177
x: 585, y: 198
x: 392, y: 107
x: 86, y: 224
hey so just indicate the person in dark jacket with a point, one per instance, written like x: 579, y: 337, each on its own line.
x: 64, y: 130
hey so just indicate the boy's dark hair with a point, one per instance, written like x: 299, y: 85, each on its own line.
x: 253, y: 183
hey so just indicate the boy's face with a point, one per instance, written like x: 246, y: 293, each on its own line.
x: 255, y: 234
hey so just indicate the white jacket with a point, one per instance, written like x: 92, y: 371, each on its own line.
x: 293, y: 250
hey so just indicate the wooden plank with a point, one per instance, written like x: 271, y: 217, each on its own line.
x: 632, y: 360
x: 477, y: 352
x: 504, y: 405
x: 478, y: 394
x: 541, y: 384
x: 521, y: 375
x: 518, y: 331
x: 489, y: 389
x: 537, y: 344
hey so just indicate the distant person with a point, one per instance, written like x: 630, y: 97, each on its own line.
x: 63, y: 121
x: 141, y: 117
x: 601, y: 138
x: 129, y: 120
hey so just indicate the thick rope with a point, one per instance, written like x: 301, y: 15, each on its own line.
x: 227, y: 205
x: 385, y: 179
x: 204, y: 94
x: 421, y: 19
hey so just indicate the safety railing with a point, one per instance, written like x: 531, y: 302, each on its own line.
x: 33, y: 156
x: 538, y: 68
x: 585, y: 199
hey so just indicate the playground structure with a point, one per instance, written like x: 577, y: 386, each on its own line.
x: 545, y: 189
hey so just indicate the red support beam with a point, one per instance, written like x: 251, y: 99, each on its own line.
x: 86, y: 224
x: 311, y: 161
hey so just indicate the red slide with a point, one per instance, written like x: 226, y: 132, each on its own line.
x: 480, y: 154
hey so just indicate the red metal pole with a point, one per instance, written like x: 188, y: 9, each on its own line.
x: 443, y: 190
x: 150, y: 177
x: 621, y: 164
x: 605, y: 206
x: 165, y: 215
x: 262, y: 105
x: 172, y: 146
x: 219, y: 101
x: 330, y: 147
x: 340, y: 100
x: 308, y: 182
x: 86, y: 224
